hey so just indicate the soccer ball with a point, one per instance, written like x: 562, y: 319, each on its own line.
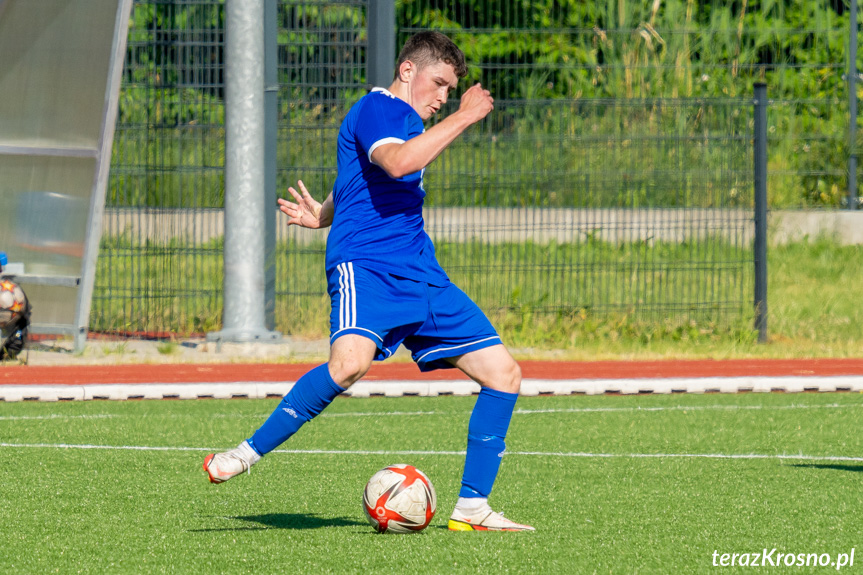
x: 13, y: 304
x: 399, y: 499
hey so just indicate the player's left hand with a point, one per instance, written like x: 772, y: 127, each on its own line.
x: 306, y: 212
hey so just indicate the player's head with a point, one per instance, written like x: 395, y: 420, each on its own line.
x: 429, y: 67
x: 429, y: 48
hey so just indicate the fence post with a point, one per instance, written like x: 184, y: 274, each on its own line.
x: 852, y: 108
x: 271, y: 141
x: 381, y: 55
x: 244, y: 251
x: 760, y: 247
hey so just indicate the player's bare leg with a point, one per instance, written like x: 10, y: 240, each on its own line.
x: 350, y: 358
x: 500, y: 377
x: 491, y: 367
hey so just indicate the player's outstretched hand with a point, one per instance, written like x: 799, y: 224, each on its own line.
x: 477, y: 103
x: 306, y: 212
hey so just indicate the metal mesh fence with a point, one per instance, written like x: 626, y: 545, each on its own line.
x: 614, y: 177
x: 322, y: 59
x: 160, y: 267
x: 650, y: 216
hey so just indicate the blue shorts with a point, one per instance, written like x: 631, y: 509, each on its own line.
x: 433, y: 322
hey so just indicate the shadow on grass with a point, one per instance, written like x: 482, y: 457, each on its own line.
x: 284, y: 521
x: 837, y: 466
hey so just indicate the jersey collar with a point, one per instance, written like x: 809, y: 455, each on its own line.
x: 385, y: 91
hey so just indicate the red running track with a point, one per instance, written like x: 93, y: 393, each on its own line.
x: 213, y: 373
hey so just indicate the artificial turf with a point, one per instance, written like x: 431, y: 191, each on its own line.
x: 613, y: 484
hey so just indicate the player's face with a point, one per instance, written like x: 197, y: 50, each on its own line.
x: 430, y: 88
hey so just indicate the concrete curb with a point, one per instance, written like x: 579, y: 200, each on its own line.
x: 530, y: 387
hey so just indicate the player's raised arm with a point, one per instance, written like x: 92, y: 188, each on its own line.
x: 307, y: 212
x: 399, y: 160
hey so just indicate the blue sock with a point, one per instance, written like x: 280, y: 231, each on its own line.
x: 485, y: 441
x: 309, y: 396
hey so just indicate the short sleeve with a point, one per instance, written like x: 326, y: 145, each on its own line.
x: 382, y: 120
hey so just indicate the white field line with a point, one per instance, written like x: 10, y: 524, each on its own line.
x: 516, y: 412
x: 687, y: 408
x: 56, y: 416
x: 378, y: 414
x: 566, y: 410
x: 798, y: 457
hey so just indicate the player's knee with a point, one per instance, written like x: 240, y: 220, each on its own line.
x: 351, y: 357
x: 515, y: 377
x: 349, y: 370
x: 509, y: 379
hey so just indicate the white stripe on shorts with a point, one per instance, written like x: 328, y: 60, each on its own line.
x: 347, y: 296
x: 455, y: 347
x: 353, y: 295
x: 341, y: 296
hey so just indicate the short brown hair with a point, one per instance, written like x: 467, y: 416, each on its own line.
x: 429, y: 48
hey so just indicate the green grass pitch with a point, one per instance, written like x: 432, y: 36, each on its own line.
x: 613, y: 485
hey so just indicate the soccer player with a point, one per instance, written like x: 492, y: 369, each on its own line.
x: 386, y: 286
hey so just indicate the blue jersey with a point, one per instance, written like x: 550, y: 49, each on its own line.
x: 378, y: 220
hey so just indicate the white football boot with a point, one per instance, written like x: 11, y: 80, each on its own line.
x: 222, y: 466
x: 483, y: 519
